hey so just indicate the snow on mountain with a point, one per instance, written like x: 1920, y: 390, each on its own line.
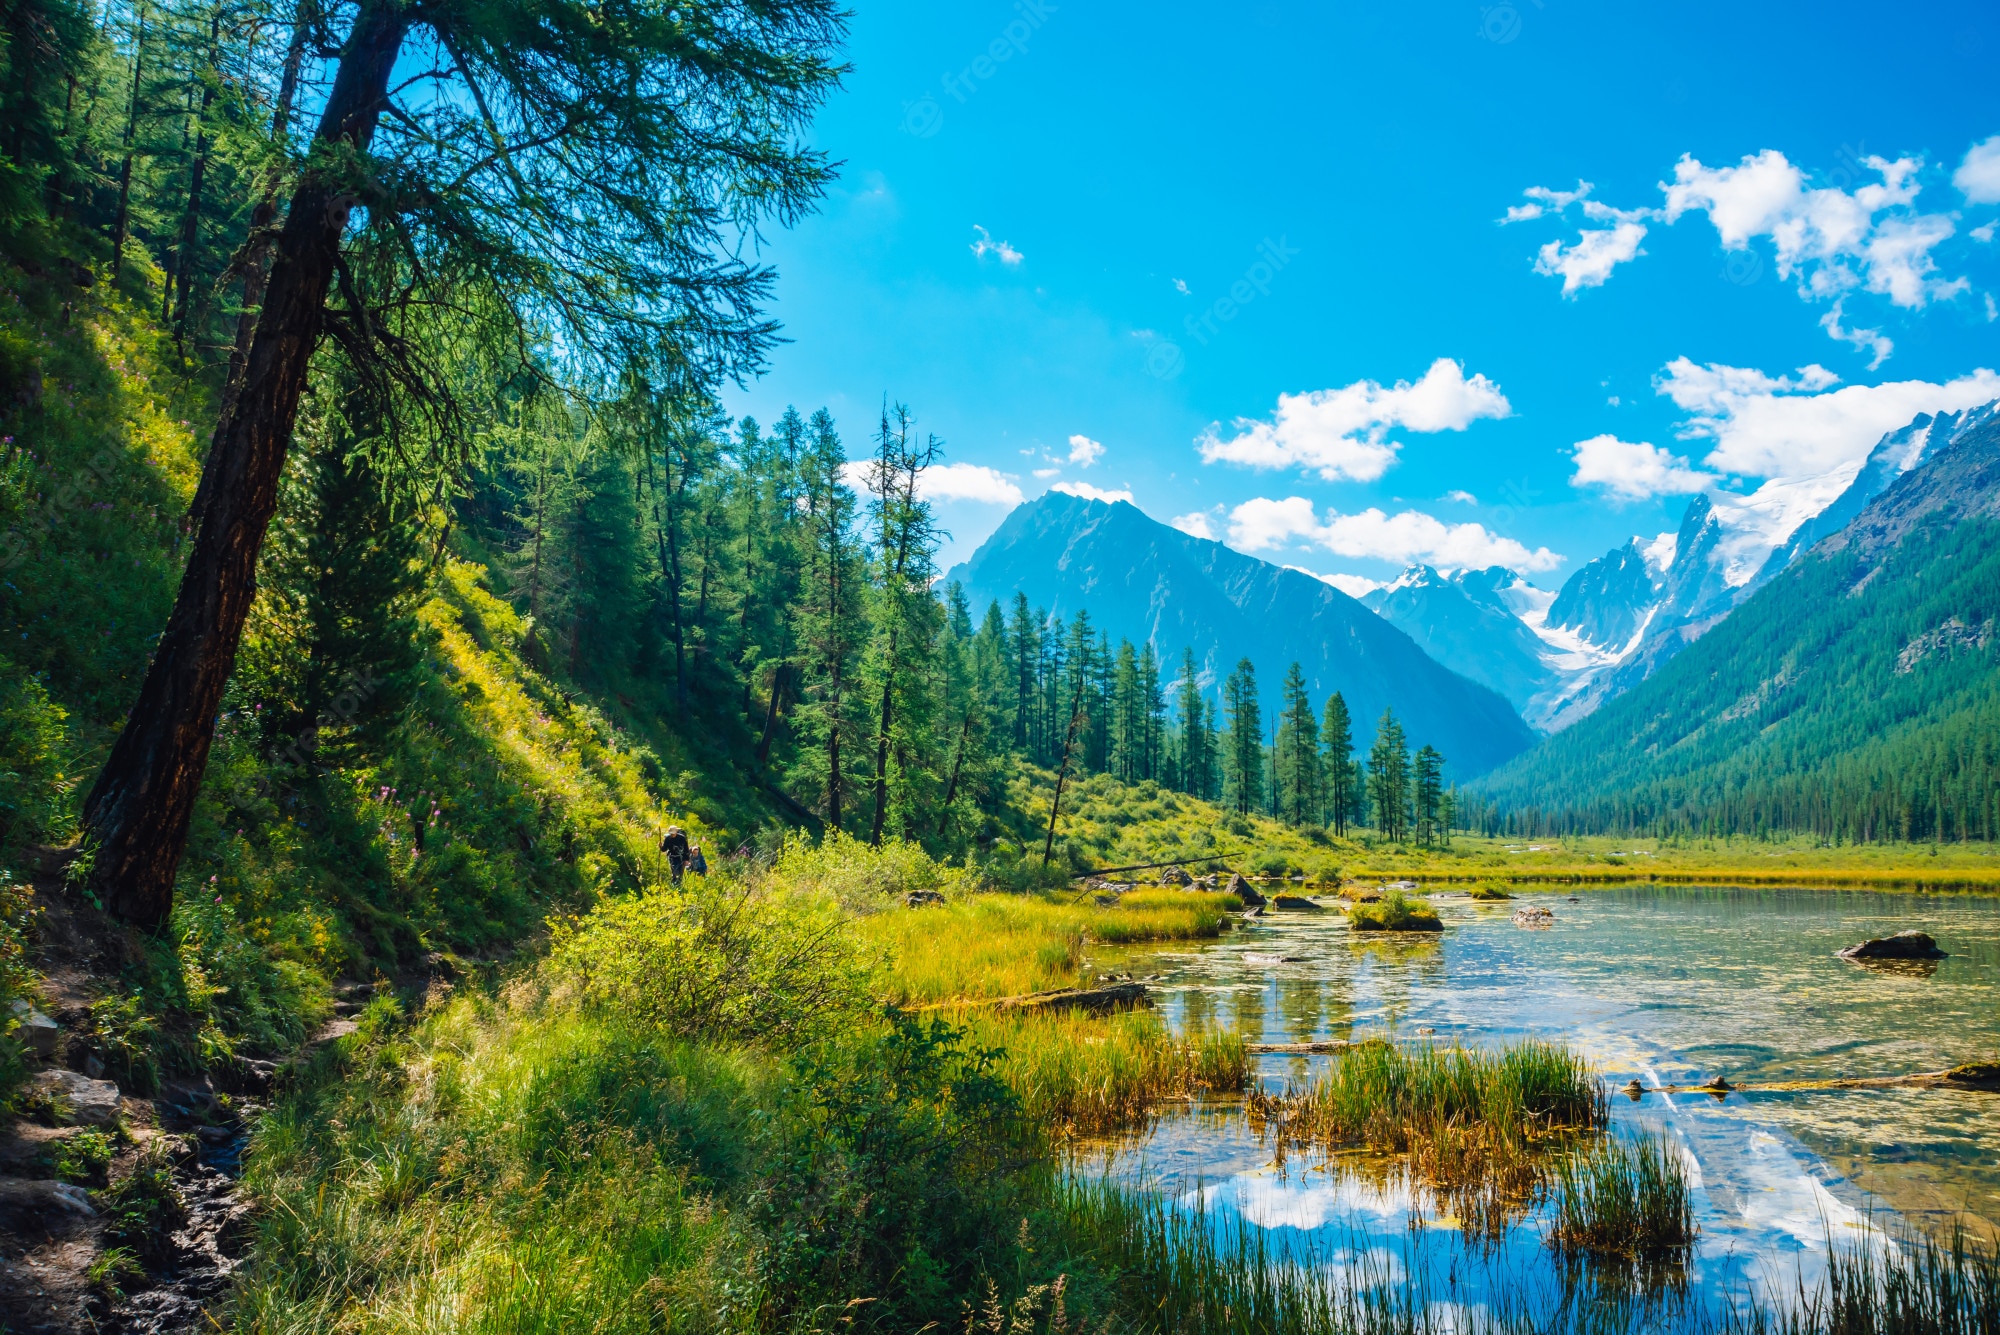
x: 1618, y: 618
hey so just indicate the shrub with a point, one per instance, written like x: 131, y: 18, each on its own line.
x: 1395, y: 912
x: 143, y: 1208
x: 721, y: 962
x: 865, y: 879
x: 894, y: 1170
x: 17, y: 982
x: 82, y: 1157
x: 32, y: 783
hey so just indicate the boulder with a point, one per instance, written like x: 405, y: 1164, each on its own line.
x: 41, y: 1202
x: 1534, y: 915
x: 1241, y: 889
x: 1176, y: 876
x: 918, y: 899
x: 1297, y: 904
x: 1901, y: 946
x: 79, y: 1100
x: 37, y: 1032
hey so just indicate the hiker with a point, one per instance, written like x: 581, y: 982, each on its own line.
x: 696, y: 862
x: 675, y: 845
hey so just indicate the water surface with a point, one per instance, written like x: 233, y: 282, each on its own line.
x: 1666, y: 984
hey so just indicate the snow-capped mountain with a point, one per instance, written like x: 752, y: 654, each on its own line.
x: 1616, y: 620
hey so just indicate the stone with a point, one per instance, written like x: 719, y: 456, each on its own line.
x: 42, y: 1200
x: 918, y: 899
x: 80, y: 1100
x: 37, y: 1032
x: 1901, y: 946
x: 1241, y: 889
x: 1534, y: 915
x: 1296, y: 904
x: 1176, y: 876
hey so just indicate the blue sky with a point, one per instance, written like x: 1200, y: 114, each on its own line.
x: 1043, y: 249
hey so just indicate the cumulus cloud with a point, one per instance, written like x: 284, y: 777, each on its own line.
x: 1589, y: 261
x: 1800, y: 425
x: 1090, y: 493
x: 1343, y: 433
x: 1978, y: 177
x: 1461, y: 496
x: 1083, y: 451
x: 946, y: 482
x: 1000, y: 250
x: 1872, y: 341
x: 1264, y: 525
x: 1830, y: 241
x: 1633, y: 470
x: 1195, y: 525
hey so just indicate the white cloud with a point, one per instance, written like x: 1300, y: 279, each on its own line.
x: 946, y: 482
x: 1872, y: 341
x: 1984, y: 233
x: 1462, y: 497
x: 1180, y: 286
x: 1195, y: 525
x: 1978, y: 177
x: 1083, y: 451
x: 1090, y: 493
x: 1044, y: 474
x: 1546, y: 201
x: 1354, y: 586
x: 1785, y: 426
x: 1831, y: 240
x: 1343, y: 433
x: 1264, y: 524
x: 1634, y: 470
x: 1590, y: 261
x: 1000, y: 250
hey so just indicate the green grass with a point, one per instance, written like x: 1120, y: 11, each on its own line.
x: 1395, y: 912
x: 1080, y: 1074
x: 1489, y: 892
x: 1621, y: 1199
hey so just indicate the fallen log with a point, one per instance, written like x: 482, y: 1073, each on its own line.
x: 1321, y: 1045
x: 1974, y: 1075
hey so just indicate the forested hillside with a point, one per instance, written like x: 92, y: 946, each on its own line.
x: 1856, y: 697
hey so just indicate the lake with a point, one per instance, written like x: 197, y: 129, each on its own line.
x: 1669, y: 985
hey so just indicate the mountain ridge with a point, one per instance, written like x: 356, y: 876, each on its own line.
x: 1143, y: 580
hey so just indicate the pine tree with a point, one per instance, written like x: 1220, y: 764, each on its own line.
x: 1337, y: 742
x: 906, y: 620
x: 1298, y: 752
x: 828, y: 625
x: 1389, y: 778
x: 1427, y: 794
x: 1243, y: 747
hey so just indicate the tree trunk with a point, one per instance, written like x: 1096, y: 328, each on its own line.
x: 137, y: 815
x: 123, y: 224
x: 882, y: 747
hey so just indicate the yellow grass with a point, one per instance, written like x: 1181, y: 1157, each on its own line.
x: 1078, y: 1073
x: 1007, y: 945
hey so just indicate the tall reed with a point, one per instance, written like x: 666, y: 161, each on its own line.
x: 1624, y: 1199
x: 1082, y: 1074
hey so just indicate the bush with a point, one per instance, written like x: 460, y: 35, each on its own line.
x: 17, y: 982
x: 864, y: 879
x: 892, y: 1176
x: 1395, y: 912
x: 142, y: 1209
x: 32, y: 782
x: 730, y: 964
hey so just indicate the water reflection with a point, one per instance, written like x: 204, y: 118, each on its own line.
x: 1667, y: 985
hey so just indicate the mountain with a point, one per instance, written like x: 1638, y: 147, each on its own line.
x: 1856, y: 693
x: 1620, y: 617
x: 1142, y: 580
x: 1468, y: 621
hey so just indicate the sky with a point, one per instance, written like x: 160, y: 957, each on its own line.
x: 1351, y: 286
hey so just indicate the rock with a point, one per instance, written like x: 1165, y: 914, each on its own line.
x: 1094, y: 1000
x: 37, y: 1032
x: 80, y: 1100
x: 918, y: 899
x: 1241, y: 889
x: 1176, y: 876
x: 1534, y: 915
x: 1975, y: 1075
x: 1399, y: 885
x: 1297, y: 904
x: 1901, y: 946
x: 24, y: 1201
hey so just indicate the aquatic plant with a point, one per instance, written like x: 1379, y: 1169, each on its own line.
x: 1908, y: 1284
x: 1395, y: 912
x: 1615, y: 1198
x: 1079, y: 1073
